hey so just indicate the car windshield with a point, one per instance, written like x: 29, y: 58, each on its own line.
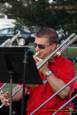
x: 6, y: 31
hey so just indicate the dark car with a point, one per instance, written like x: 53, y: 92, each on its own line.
x: 7, y: 33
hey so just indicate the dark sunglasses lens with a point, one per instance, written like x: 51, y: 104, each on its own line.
x: 40, y: 46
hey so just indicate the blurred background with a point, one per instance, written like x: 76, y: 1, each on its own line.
x: 27, y: 16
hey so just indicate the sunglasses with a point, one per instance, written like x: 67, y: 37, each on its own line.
x: 40, y: 46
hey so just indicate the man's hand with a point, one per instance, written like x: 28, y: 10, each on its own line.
x: 5, y: 99
x: 44, y: 69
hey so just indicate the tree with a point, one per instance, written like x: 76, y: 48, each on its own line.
x: 43, y: 13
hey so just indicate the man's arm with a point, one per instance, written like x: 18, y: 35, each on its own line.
x: 56, y: 83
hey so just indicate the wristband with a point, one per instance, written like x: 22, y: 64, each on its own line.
x: 48, y: 73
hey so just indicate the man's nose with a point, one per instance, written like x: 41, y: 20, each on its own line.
x: 37, y: 48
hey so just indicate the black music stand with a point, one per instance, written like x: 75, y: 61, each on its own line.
x: 17, y: 66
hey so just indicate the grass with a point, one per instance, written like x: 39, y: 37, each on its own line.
x: 6, y: 87
x: 71, y: 52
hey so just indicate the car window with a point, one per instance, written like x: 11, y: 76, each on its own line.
x: 7, y: 31
x: 4, y: 31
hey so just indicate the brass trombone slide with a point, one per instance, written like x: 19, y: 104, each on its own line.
x: 51, y: 97
x: 65, y: 104
x: 60, y: 49
x: 63, y: 46
x: 71, y: 38
x: 8, y: 42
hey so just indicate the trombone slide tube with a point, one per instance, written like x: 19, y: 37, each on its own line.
x: 5, y: 43
x: 65, y: 104
x: 9, y: 41
x: 2, y: 88
x: 51, y: 97
x: 69, y: 43
x: 54, y: 52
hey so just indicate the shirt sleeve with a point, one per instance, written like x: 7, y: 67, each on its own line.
x: 65, y: 71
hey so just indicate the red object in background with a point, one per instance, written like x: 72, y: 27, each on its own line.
x: 1, y: 84
x: 75, y: 85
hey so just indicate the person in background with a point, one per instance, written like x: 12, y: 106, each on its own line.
x: 55, y: 74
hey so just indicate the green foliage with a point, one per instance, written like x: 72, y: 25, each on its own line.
x: 41, y: 13
x: 71, y: 52
x: 6, y: 87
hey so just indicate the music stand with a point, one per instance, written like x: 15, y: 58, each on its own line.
x: 15, y: 67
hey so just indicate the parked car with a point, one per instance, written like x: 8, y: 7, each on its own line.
x: 9, y: 32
